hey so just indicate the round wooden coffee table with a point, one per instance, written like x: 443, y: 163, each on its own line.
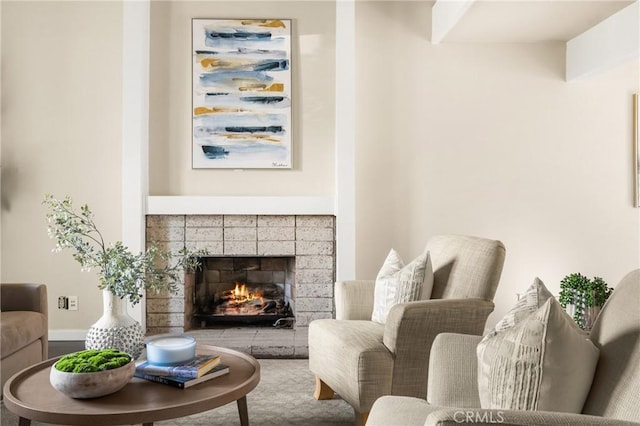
x: 30, y: 395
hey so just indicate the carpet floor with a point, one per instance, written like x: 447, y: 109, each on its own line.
x: 284, y: 397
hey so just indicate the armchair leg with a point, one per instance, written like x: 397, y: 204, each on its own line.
x: 323, y: 391
x: 361, y: 418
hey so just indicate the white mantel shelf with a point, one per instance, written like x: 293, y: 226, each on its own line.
x: 289, y: 205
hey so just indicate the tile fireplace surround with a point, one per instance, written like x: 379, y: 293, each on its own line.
x: 310, y: 239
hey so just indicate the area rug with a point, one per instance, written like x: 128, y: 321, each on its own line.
x: 284, y: 397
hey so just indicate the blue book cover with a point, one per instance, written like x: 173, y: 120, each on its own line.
x: 197, y: 367
x: 183, y: 382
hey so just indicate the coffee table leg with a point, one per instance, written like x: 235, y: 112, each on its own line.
x: 24, y: 422
x: 242, y: 411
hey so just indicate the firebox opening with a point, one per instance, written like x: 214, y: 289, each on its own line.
x: 244, y: 290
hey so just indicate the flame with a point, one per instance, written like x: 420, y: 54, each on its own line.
x: 240, y: 294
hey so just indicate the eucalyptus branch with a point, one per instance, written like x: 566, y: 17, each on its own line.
x: 87, y: 220
x: 123, y: 273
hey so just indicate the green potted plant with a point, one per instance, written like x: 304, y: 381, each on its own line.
x: 583, y: 298
x: 122, y: 274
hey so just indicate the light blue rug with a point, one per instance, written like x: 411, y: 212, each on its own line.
x: 284, y: 397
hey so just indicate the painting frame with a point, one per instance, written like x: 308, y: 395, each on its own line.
x: 636, y: 153
x: 241, y: 104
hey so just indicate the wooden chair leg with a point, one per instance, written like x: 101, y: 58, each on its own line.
x: 361, y: 418
x: 323, y: 391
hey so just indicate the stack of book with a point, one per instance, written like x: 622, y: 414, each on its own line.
x: 200, y: 369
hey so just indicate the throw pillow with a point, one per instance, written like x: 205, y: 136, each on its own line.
x: 400, y: 283
x: 529, y: 302
x: 536, y: 358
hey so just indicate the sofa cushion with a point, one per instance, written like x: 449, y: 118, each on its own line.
x: 400, y: 283
x: 536, y: 358
x: 20, y: 328
x: 400, y: 410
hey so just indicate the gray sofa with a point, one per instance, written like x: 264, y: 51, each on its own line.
x: 24, y: 327
x: 452, y: 395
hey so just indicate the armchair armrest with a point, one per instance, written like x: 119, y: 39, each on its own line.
x: 27, y: 297
x: 411, y: 323
x: 411, y: 328
x: 354, y: 299
x: 456, y: 416
x: 453, y: 371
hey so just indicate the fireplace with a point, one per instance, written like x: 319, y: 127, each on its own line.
x: 305, y: 243
x: 244, y: 290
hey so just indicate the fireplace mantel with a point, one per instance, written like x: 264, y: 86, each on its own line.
x: 290, y: 205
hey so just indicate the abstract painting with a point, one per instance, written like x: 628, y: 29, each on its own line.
x: 241, y: 93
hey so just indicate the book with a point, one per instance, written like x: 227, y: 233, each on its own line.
x: 193, y: 369
x: 183, y: 382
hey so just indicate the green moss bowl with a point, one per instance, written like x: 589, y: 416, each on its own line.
x: 93, y: 384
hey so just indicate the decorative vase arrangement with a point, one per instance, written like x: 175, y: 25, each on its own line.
x: 115, y: 328
x: 583, y: 298
x: 123, y: 275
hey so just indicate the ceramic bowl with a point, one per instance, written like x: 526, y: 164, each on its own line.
x: 91, y: 385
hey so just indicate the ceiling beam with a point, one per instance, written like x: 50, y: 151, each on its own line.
x: 445, y: 14
x: 610, y: 43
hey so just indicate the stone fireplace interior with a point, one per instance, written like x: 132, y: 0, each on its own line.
x: 242, y: 290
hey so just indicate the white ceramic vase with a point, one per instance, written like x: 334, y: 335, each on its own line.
x: 116, y: 329
x: 589, y: 313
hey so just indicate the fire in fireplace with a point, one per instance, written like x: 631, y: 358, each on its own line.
x: 243, y: 291
x: 250, y: 299
x: 241, y: 301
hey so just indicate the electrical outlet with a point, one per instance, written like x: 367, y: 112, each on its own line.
x: 73, y: 303
x: 63, y: 302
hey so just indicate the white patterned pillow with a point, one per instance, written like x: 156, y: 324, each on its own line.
x: 536, y: 358
x: 400, y: 283
x: 529, y: 302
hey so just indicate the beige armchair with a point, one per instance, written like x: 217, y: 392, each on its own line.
x: 362, y: 360
x: 24, y: 327
x: 614, y: 397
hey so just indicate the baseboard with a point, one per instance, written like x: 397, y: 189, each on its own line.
x: 55, y: 335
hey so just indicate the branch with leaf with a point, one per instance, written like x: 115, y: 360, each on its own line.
x: 121, y: 272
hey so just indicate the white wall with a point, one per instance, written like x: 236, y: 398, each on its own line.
x: 313, y: 76
x: 472, y: 139
x: 62, y: 126
x: 61, y: 132
x: 488, y: 140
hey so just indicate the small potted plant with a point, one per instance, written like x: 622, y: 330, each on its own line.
x: 583, y: 298
x: 123, y: 274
